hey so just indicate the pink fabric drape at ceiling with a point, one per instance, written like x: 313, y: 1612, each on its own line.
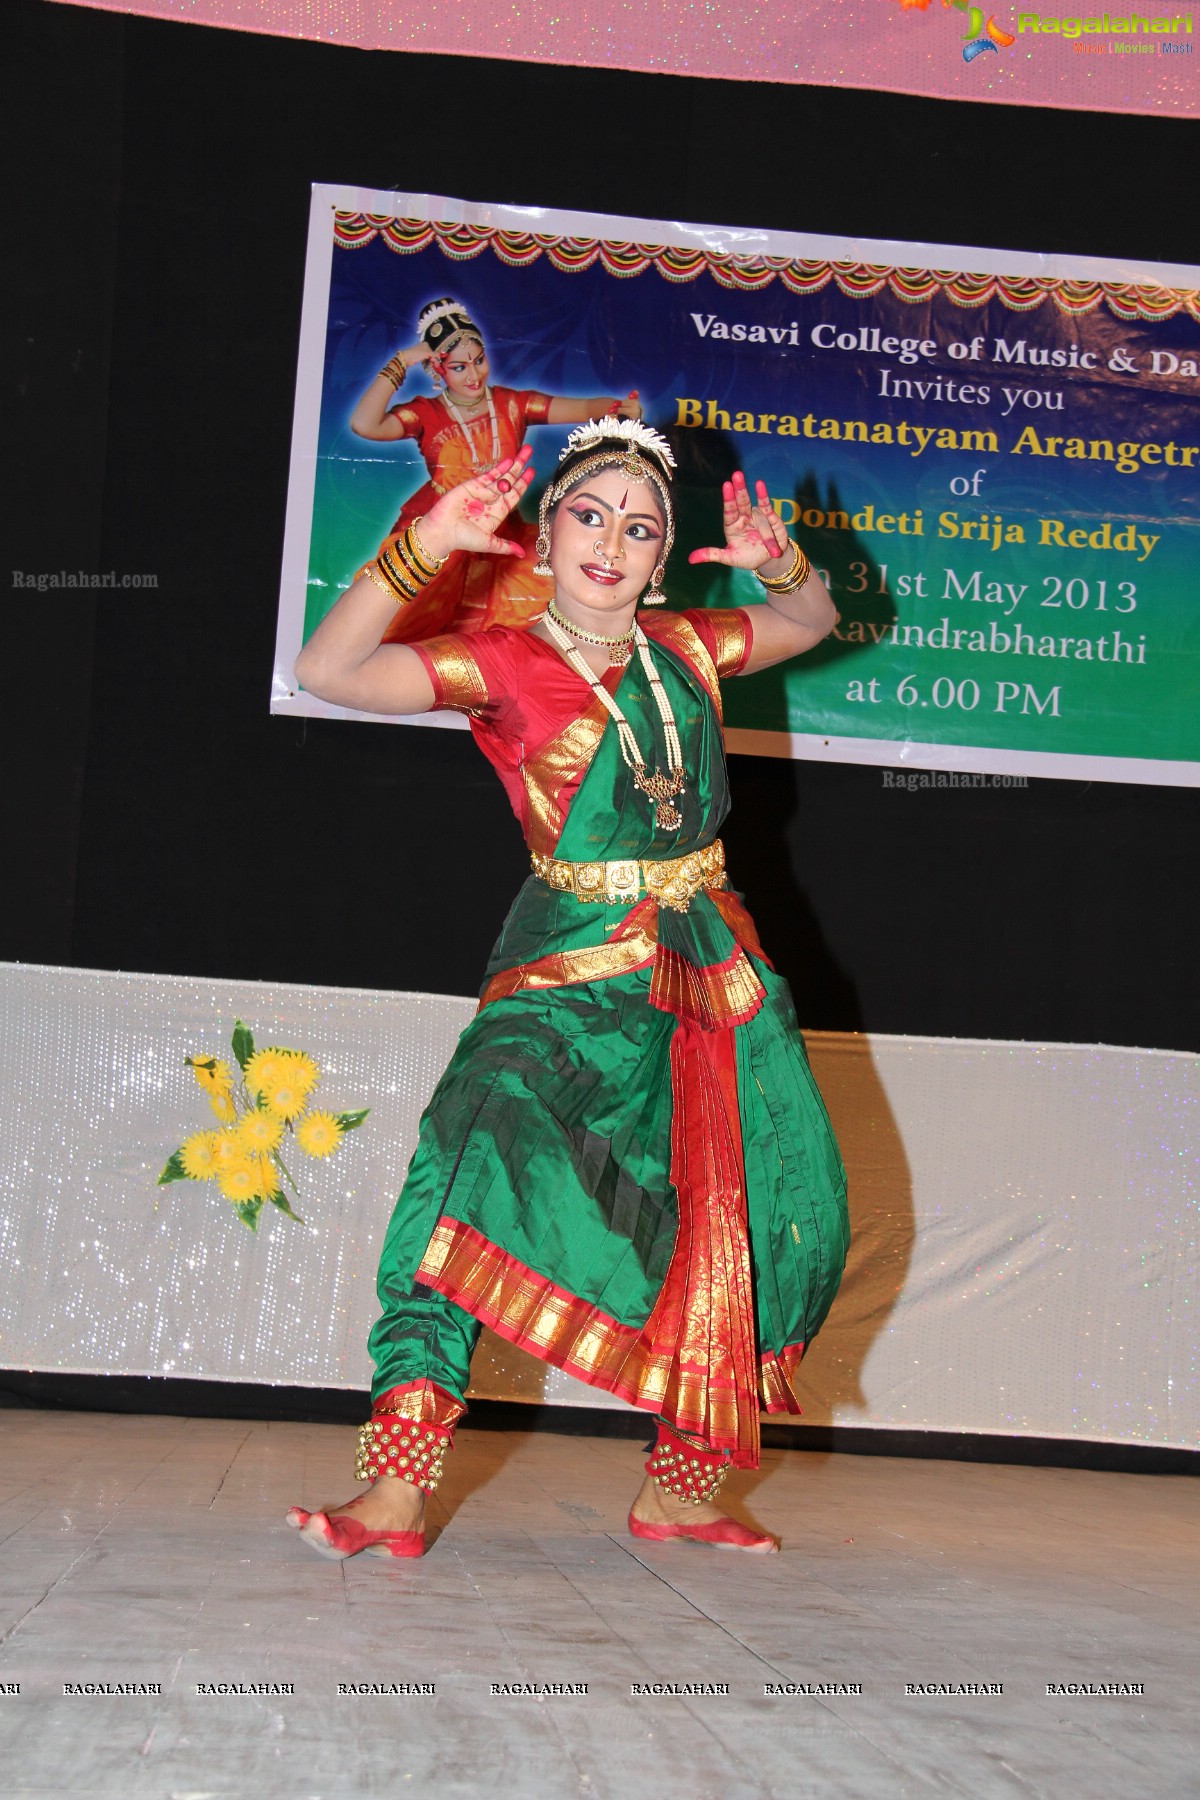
x: 911, y: 48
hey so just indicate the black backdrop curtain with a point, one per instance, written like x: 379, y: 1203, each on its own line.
x: 157, y: 187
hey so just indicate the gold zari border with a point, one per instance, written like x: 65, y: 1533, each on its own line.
x: 732, y: 630
x: 457, y: 678
x: 547, y: 772
x: 630, y: 947
x: 422, y: 1401
x: 676, y: 633
x: 571, y: 1334
x: 727, y: 994
x: 775, y: 1375
x: 530, y: 1311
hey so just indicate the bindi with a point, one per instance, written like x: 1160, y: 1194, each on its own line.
x: 624, y: 501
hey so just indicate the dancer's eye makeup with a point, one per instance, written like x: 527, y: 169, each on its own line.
x: 641, y: 527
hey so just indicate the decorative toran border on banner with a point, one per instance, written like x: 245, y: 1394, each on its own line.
x: 858, y: 280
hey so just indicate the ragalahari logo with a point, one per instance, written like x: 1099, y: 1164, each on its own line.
x: 981, y: 37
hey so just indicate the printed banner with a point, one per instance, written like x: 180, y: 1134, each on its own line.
x: 993, y: 458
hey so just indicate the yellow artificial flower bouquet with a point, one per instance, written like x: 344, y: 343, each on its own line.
x: 257, y: 1112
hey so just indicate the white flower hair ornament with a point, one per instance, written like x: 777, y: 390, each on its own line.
x: 598, y: 433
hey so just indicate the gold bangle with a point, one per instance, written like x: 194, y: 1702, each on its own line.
x: 419, y: 553
x: 393, y: 373
x: 796, y: 582
x: 793, y: 577
x: 397, y: 578
x: 412, y: 566
x: 372, y: 574
x: 777, y: 581
x: 388, y: 571
x: 409, y: 570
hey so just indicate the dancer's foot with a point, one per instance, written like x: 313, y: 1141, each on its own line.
x: 387, y: 1505
x: 662, y: 1516
x: 388, y: 1520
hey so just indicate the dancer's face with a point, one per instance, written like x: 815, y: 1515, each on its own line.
x: 466, y: 371
x: 605, y: 538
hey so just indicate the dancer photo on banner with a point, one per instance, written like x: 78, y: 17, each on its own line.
x: 992, y: 457
x: 464, y: 428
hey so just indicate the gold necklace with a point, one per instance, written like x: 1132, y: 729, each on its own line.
x: 620, y: 648
x: 458, y: 415
x: 662, y: 789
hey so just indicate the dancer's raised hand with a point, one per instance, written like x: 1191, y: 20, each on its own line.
x: 628, y: 408
x: 755, y: 535
x: 469, y: 515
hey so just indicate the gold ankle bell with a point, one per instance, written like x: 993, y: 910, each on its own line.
x: 408, y: 1448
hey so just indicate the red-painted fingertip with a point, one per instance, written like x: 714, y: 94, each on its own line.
x: 697, y: 556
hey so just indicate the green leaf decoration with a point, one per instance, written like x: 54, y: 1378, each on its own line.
x: 174, y: 1171
x: 199, y: 1062
x: 280, y: 1199
x: 352, y: 1120
x: 243, y: 1043
x: 248, y: 1211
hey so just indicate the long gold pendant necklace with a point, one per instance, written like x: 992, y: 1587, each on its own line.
x: 662, y: 790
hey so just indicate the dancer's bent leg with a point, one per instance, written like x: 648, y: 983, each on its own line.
x: 422, y: 1349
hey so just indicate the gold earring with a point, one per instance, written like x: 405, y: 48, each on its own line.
x: 542, y: 565
x: 654, y: 595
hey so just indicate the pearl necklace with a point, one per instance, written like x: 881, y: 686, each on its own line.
x: 465, y: 428
x: 657, y: 787
x: 620, y: 648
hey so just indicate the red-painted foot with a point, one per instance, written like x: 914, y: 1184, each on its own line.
x: 725, y: 1534
x: 341, y: 1537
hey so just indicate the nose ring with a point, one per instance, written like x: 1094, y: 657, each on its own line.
x: 599, y: 550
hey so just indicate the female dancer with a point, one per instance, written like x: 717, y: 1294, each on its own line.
x: 626, y: 1168
x: 462, y: 431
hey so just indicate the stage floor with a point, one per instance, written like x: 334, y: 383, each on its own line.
x: 153, y: 1550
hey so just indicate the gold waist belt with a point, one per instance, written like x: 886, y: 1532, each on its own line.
x: 674, y: 883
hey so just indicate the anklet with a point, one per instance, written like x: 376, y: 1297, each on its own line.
x: 686, y: 1471
x: 390, y: 1444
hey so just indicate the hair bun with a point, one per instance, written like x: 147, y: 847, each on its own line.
x: 443, y: 321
